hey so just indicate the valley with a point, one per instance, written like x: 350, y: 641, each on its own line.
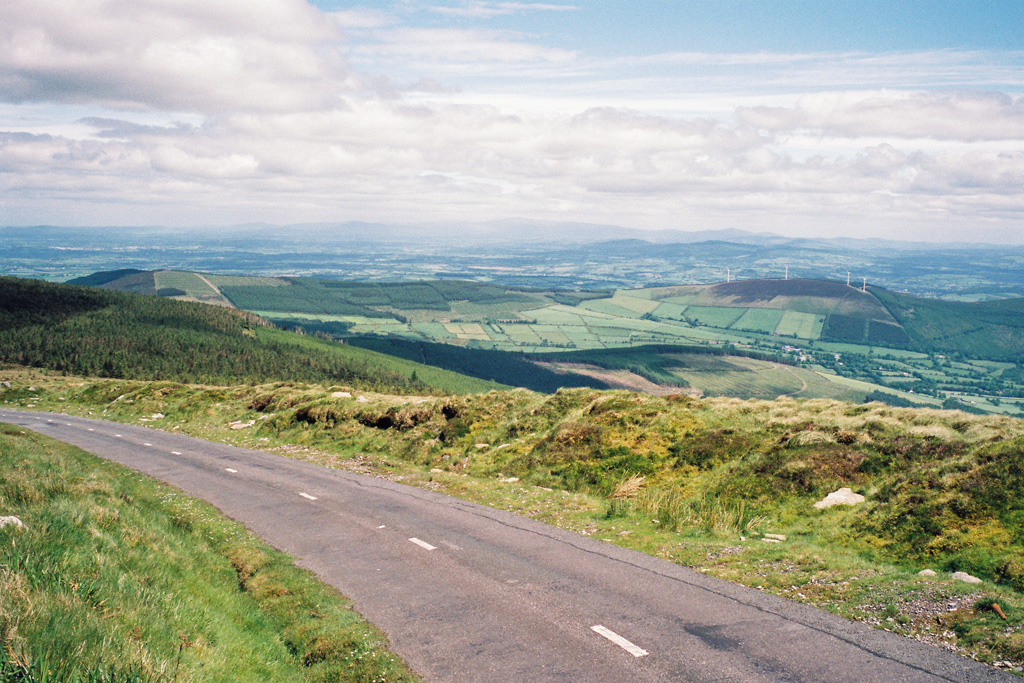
x: 836, y: 341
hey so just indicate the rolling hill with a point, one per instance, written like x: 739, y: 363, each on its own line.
x: 860, y: 341
x: 93, y: 332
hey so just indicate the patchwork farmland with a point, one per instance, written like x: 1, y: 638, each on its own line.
x: 855, y: 342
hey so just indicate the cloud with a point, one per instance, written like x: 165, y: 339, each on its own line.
x: 958, y: 115
x: 170, y: 112
x: 162, y: 54
x: 361, y: 18
x: 487, y: 10
x: 479, y: 47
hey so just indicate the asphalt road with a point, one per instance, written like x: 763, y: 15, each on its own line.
x: 469, y: 594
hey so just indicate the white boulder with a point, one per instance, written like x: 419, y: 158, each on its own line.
x: 965, y: 577
x: 8, y: 521
x: 843, y: 496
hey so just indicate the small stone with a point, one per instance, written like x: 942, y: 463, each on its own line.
x: 843, y: 496
x: 770, y: 540
x: 5, y: 384
x: 480, y: 445
x: 965, y: 577
x: 775, y: 537
x: 362, y: 399
x: 928, y: 573
x: 8, y: 521
x: 436, y: 470
x: 156, y: 416
x: 341, y: 394
x: 509, y: 480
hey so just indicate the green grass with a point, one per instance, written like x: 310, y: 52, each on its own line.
x: 190, y: 283
x: 107, y: 333
x: 117, y: 578
x: 637, y: 304
x: 740, y: 377
x: 763, y: 320
x: 714, y: 474
x: 802, y: 325
x: 609, y: 307
x: 715, y: 316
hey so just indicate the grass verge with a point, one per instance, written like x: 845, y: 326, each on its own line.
x: 116, y: 578
x: 703, y: 483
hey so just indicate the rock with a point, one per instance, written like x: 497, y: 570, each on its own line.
x: 341, y: 394
x: 363, y: 399
x: 770, y: 540
x: 965, y: 577
x: 775, y: 537
x: 242, y: 425
x: 928, y: 573
x: 8, y: 521
x: 156, y: 416
x: 480, y: 445
x: 436, y: 470
x: 509, y: 480
x: 843, y: 496
x: 5, y: 384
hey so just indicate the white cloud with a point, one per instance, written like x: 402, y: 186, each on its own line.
x: 486, y: 10
x: 163, y: 54
x: 468, y: 46
x: 240, y: 110
x: 957, y: 115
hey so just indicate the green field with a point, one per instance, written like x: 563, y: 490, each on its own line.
x: 802, y: 325
x: 838, y: 327
x: 759, y: 320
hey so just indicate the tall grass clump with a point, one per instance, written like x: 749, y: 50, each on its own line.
x: 673, y: 511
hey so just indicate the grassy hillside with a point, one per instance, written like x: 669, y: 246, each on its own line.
x: 991, y: 329
x: 104, y: 277
x: 104, y: 333
x: 118, y: 579
x: 696, y: 481
x: 871, y: 341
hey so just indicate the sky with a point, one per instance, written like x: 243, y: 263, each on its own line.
x: 902, y: 120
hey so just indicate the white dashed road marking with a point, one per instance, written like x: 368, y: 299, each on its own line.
x: 147, y: 444
x: 422, y: 544
x: 118, y: 436
x: 228, y: 469
x: 307, y: 496
x: 175, y: 452
x: 619, y: 640
x: 382, y: 527
x: 91, y: 429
